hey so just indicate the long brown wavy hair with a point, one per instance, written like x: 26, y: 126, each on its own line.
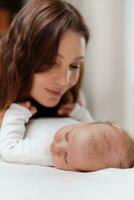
x: 31, y: 42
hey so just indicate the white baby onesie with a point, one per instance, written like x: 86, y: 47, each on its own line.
x: 28, y: 144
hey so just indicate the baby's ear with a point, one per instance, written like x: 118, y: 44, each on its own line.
x: 132, y: 165
x: 132, y: 161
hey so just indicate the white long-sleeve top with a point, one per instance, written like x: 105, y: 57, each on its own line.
x: 81, y: 114
x: 29, y: 144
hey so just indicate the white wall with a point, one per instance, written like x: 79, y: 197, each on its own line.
x: 129, y: 64
x: 104, y: 81
x: 107, y: 79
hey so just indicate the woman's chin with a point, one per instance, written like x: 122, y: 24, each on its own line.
x: 50, y: 103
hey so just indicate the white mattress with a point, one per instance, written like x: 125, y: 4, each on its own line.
x: 25, y: 182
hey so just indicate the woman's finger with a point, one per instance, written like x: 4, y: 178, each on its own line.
x: 64, y: 111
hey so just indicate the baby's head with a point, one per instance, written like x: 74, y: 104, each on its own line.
x: 94, y: 146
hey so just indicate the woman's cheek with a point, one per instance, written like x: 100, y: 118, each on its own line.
x: 74, y: 79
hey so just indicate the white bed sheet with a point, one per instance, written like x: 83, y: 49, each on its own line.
x: 26, y: 182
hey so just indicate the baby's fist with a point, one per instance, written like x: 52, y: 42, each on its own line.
x: 29, y: 106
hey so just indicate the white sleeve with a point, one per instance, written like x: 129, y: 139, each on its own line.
x: 81, y: 114
x: 13, y: 146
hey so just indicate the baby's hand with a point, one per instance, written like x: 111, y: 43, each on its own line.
x: 29, y: 106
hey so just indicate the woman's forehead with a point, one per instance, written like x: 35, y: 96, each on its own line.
x: 72, y: 41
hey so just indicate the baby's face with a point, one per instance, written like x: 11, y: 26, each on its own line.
x: 73, y: 148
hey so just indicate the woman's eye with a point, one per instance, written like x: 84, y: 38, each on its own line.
x: 74, y: 67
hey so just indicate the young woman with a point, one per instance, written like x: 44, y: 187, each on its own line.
x: 41, y: 59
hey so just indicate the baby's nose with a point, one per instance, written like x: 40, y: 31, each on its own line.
x: 59, y: 148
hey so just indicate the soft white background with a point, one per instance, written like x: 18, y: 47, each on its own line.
x: 109, y: 62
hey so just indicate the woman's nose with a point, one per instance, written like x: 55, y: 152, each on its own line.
x: 63, y: 78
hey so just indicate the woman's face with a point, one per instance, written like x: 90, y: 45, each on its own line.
x: 49, y: 86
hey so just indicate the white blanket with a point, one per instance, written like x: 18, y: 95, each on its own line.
x: 26, y: 182
x: 29, y: 182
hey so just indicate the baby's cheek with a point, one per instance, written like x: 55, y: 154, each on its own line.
x: 58, y: 162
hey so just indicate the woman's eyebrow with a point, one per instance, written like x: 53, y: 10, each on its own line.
x: 78, y: 58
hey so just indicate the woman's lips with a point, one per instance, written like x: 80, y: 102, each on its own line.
x: 53, y: 92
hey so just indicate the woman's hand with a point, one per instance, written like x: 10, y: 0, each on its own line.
x: 65, y: 109
x: 29, y: 106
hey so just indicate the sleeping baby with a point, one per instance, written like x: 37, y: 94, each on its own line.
x: 63, y: 142
x: 92, y: 146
